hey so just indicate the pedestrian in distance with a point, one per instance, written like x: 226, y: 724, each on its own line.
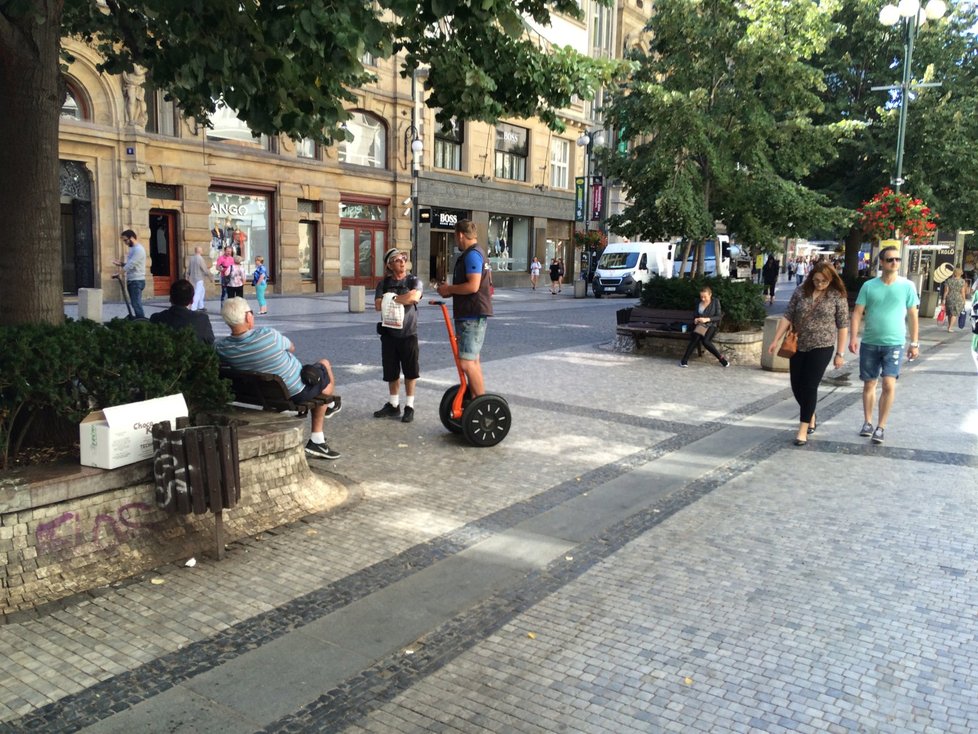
x: 134, y: 270
x: 259, y: 279
x: 801, y: 270
x: 560, y: 274
x: 818, y: 312
x: 471, y: 303
x: 708, y: 315
x: 197, y: 273
x: 397, y: 297
x: 180, y: 316
x: 554, y: 276
x: 236, y: 279
x: 955, y: 295
x: 770, y: 273
x: 535, y: 268
x: 224, y: 263
x: 264, y: 349
x: 887, y: 304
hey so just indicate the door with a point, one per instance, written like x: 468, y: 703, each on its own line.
x: 162, y: 250
x: 362, y: 249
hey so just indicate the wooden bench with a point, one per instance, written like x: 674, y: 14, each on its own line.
x: 657, y: 322
x: 266, y: 390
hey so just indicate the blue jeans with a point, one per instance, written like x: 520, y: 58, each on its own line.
x: 875, y: 360
x: 470, y: 334
x: 135, y: 290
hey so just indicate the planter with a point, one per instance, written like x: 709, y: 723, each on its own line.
x: 740, y: 347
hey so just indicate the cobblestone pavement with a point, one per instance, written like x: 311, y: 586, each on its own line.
x: 645, y: 552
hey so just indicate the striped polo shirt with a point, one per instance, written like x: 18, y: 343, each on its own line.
x: 263, y: 350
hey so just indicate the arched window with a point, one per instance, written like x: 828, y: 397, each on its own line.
x: 366, y: 141
x: 75, y: 106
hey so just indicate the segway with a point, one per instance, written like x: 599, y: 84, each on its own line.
x: 484, y: 420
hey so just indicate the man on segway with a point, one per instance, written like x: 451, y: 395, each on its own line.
x: 471, y: 302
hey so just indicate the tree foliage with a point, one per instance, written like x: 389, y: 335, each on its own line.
x: 720, y: 112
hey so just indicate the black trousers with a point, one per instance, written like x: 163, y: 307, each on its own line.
x: 707, y: 341
x: 806, y: 370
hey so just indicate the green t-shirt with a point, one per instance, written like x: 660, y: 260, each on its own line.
x: 885, y: 316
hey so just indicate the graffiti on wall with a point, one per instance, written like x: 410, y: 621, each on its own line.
x: 106, y: 530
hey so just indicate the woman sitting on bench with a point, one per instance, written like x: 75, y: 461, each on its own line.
x: 708, y: 315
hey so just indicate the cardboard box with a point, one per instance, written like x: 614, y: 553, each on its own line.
x: 123, y: 434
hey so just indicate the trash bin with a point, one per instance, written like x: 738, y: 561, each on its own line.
x: 928, y: 304
x: 771, y: 362
x: 580, y: 288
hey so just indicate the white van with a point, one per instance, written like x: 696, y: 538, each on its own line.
x: 711, y: 267
x: 625, y: 267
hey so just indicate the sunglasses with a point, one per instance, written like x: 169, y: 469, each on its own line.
x: 892, y: 259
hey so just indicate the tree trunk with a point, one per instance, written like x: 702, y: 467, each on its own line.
x: 685, y: 250
x: 854, y: 238
x: 32, y: 94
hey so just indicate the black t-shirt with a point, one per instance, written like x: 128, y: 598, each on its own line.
x: 400, y: 287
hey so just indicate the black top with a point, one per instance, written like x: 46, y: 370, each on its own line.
x: 181, y: 317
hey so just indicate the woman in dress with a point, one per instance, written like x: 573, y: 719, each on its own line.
x: 708, y: 315
x: 535, y: 268
x: 819, y: 314
x: 955, y: 294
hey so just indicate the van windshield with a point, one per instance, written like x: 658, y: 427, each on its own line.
x: 618, y: 261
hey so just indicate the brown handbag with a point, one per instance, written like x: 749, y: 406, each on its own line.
x: 789, y: 345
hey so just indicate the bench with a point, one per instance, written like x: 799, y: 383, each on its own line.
x: 267, y: 391
x: 642, y: 321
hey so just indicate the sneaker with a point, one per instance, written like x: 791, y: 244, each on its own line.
x: 724, y: 362
x: 321, y: 451
x: 683, y: 364
x: 388, y: 411
x: 867, y: 430
x: 408, y: 415
x: 878, y: 435
x: 333, y: 409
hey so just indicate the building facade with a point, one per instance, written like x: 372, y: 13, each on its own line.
x: 320, y: 216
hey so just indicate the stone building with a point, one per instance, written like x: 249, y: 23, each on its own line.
x: 321, y: 217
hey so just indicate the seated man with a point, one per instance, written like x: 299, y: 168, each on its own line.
x: 179, y: 316
x: 266, y: 350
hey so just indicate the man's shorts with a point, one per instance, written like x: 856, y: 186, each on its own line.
x: 470, y: 333
x: 313, y: 391
x: 399, y: 354
x: 875, y: 360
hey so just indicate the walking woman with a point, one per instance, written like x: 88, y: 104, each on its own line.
x: 819, y: 314
x: 708, y: 315
x: 955, y: 295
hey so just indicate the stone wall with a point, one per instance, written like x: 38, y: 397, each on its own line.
x: 71, y: 529
x: 740, y: 347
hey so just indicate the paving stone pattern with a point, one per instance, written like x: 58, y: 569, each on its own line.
x: 815, y: 589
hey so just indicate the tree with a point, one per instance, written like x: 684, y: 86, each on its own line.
x: 940, y: 153
x: 285, y: 67
x: 721, y: 108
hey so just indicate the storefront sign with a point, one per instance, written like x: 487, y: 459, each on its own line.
x: 511, y: 139
x: 225, y: 209
x: 447, y: 218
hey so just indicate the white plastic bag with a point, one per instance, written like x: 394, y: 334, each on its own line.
x: 392, y: 314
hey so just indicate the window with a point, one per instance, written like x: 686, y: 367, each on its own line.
x: 161, y: 115
x: 448, y: 146
x: 75, y: 107
x: 512, y: 149
x: 368, y: 59
x: 240, y: 220
x: 366, y: 141
x: 308, y: 237
x: 226, y: 127
x: 509, y: 242
x: 307, y: 148
x: 560, y: 164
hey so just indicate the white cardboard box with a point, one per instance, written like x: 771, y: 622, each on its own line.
x: 123, y: 434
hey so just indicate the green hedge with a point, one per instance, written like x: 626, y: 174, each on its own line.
x: 62, y: 373
x: 741, y: 300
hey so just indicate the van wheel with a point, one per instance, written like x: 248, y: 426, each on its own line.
x: 597, y: 294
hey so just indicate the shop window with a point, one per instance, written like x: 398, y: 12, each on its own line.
x: 241, y: 221
x: 560, y: 164
x: 512, y: 149
x: 509, y: 242
x: 448, y: 146
x: 365, y: 143
x: 76, y: 105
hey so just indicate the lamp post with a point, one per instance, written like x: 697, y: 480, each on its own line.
x: 909, y: 11
x: 587, y: 141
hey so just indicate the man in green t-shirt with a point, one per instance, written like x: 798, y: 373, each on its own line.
x: 886, y: 304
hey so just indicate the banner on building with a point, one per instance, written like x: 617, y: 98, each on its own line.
x: 597, y: 197
x: 579, y: 199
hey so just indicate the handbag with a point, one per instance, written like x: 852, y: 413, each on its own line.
x: 701, y: 329
x: 940, y: 315
x: 962, y: 318
x: 789, y: 345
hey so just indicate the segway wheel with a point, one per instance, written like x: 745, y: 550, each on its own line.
x: 486, y: 420
x: 445, y: 409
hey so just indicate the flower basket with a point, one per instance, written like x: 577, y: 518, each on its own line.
x: 889, y: 215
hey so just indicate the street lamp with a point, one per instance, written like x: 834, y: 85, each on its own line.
x: 417, y: 149
x: 587, y: 141
x: 909, y: 11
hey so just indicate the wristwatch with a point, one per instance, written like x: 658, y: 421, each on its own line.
x: 914, y: 345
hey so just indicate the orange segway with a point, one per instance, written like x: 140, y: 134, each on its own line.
x: 484, y: 420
